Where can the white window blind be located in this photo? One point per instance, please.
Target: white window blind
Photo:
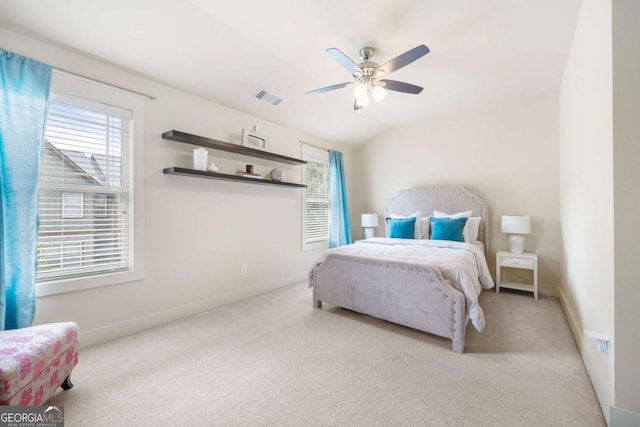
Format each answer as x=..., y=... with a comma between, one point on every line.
x=316, y=198
x=85, y=190
x=72, y=205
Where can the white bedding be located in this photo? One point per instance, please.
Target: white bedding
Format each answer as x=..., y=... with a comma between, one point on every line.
x=478, y=244
x=463, y=264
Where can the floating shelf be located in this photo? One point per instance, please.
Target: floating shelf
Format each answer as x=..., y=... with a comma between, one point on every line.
x=176, y=135
x=175, y=170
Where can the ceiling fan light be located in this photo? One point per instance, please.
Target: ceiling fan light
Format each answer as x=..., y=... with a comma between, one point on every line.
x=378, y=93
x=360, y=91
x=362, y=101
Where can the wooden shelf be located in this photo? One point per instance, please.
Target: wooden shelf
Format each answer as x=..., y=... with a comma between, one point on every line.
x=517, y=286
x=175, y=170
x=176, y=135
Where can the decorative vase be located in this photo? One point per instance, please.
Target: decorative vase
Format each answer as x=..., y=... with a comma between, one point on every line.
x=212, y=167
x=276, y=174
x=200, y=159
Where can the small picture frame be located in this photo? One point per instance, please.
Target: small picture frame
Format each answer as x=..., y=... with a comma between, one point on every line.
x=254, y=139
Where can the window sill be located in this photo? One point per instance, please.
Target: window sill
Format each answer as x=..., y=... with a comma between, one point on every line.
x=81, y=283
x=315, y=245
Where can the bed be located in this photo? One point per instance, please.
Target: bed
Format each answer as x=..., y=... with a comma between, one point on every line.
x=429, y=285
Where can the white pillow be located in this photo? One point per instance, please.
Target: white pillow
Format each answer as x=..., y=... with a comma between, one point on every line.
x=465, y=214
x=474, y=227
x=425, y=227
x=417, y=233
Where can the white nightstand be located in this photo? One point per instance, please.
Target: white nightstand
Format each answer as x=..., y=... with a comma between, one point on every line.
x=526, y=261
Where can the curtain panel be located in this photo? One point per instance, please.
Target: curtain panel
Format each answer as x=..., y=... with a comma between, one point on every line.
x=339, y=230
x=24, y=95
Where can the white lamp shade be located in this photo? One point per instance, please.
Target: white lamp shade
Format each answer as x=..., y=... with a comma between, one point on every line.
x=360, y=91
x=378, y=93
x=369, y=220
x=363, y=101
x=516, y=224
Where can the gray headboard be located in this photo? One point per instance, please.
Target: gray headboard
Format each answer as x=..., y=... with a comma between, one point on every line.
x=445, y=199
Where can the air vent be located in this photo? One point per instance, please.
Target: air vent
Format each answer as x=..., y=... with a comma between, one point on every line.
x=269, y=98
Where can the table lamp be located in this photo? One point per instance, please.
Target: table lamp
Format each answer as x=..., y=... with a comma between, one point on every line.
x=369, y=222
x=516, y=226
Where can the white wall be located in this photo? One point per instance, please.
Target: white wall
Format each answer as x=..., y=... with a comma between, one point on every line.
x=626, y=176
x=507, y=154
x=197, y=231
x=599, y=157
x=586, y=192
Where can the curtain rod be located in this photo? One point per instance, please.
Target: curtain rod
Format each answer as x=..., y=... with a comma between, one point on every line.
x=315, y=146
x=104, y=83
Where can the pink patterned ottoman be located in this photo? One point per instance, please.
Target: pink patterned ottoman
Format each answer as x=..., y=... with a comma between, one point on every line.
x=35, y=361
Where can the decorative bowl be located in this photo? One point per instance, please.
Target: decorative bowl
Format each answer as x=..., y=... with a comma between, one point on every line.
x=276, y=174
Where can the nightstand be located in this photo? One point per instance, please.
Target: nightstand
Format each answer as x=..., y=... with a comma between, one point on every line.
x=526, y=261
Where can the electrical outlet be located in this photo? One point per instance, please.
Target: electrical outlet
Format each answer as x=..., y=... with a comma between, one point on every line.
x=244, y=268
x=602, y=341
x=603, y=346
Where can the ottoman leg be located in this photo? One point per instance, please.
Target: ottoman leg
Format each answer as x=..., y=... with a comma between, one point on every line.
x=67, y=384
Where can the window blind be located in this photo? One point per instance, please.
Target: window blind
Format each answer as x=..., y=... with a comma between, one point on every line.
x=85, y=190
x=316, y=225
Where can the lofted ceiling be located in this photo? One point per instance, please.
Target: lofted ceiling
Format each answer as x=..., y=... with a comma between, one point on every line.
x=483, y=52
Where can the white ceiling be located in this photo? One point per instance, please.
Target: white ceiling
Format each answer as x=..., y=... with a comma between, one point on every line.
x=482, y=51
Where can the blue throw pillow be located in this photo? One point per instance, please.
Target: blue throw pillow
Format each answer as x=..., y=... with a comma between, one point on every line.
x=447, y=228
x=401, y=228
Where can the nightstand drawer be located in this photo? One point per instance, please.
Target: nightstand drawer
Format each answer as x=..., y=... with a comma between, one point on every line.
x=517, y=262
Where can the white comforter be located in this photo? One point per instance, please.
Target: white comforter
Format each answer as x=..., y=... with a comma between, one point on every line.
x=463, y=264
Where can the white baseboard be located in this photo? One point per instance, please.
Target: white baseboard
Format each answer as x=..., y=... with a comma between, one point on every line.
x=623, y=418
x=588, y=354
x=139, y=324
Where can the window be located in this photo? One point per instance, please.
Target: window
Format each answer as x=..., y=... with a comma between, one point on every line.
x=88, y=180
x=72, y=205
x=100, y=207
x=57, y=255
x=315, y=210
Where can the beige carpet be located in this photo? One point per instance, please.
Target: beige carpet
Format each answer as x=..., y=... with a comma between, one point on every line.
x=273, y=360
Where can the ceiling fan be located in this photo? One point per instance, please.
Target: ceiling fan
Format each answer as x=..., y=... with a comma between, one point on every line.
x=368, y=76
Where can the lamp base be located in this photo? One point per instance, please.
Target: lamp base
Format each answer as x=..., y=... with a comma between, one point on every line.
x=516, y=243
x=369, y=232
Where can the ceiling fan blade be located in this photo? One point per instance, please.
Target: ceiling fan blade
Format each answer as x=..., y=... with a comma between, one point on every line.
x=405, y=59
x=401, y=87
x=328, y=88
x=343, y=60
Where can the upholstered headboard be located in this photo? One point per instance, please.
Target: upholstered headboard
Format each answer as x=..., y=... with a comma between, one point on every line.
x=445, y=199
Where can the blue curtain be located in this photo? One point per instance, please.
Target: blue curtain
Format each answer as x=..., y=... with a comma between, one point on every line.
x=339, y=230
x=24, y=94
